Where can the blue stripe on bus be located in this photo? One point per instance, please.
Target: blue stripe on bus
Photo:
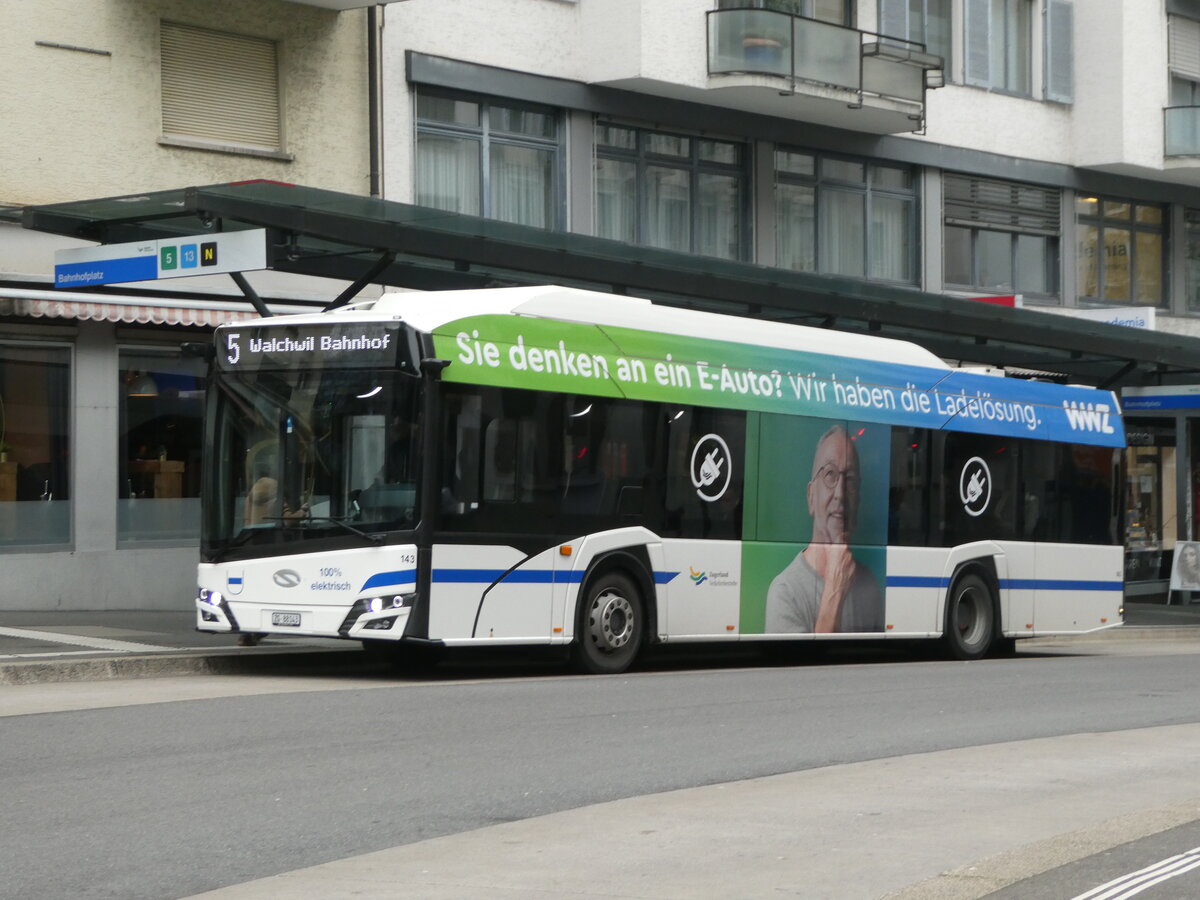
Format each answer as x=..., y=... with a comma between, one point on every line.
x=490, y=576
x=516, y=576
x=1059, y=584
x=388, y=579
x=1011, y=584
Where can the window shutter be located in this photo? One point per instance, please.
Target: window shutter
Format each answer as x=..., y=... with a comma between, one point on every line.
x=1060, y=51
x=1183, y=54
x=978, y=40
x=220, y=87
x=1000, y=205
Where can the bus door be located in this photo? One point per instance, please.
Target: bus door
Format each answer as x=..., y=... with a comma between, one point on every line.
x=494, y=575
x=1079, y=558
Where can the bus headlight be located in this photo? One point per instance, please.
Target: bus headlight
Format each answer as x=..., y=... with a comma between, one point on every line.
x=374, y=605
x=213, y=598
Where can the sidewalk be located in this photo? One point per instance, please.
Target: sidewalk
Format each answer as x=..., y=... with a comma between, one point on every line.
x=80, y=646
x=77, y=646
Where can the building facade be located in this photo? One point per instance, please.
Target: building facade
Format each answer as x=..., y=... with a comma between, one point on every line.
x=99, y=411
x=1041, y=149
x=1044, y=149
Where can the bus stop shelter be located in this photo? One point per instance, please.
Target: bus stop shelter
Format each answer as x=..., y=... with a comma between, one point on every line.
x=368, y=240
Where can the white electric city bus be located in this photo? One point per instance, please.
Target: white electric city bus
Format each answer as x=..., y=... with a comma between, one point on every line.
x=550, y=466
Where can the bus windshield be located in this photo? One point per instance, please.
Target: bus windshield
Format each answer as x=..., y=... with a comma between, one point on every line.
x=310, y=453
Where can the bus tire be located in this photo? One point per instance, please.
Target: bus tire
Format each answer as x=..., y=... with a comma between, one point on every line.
x=970, y=618
x=611, y=625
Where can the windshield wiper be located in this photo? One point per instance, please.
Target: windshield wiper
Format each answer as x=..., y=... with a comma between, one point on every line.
x=340, y=522
x=238, y=539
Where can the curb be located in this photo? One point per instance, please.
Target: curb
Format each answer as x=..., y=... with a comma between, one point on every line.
x=1120, y=633
x=318, y=660
x=111, y=668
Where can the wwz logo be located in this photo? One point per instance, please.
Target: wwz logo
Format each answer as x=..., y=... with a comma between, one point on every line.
x=711, y=467
x=1088, y=416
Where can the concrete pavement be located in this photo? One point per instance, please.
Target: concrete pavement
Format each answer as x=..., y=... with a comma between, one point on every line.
x=41, y=646
x=949, y=825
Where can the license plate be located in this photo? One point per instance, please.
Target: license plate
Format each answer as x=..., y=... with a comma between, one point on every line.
x=290, y=619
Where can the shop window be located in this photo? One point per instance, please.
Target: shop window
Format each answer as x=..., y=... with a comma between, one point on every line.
x=671, y=191
x=497, y=160
x=1122, y=252
x=160, y=441
x=1151, y=516
x=35, y=471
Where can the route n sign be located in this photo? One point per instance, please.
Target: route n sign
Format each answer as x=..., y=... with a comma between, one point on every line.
x=182, y=257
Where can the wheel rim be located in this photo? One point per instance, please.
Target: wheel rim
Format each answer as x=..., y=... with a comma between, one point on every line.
x=611, y=623
x=970, y=617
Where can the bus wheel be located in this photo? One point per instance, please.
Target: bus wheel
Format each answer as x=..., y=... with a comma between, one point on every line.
x=970, y=618
x=610, y=629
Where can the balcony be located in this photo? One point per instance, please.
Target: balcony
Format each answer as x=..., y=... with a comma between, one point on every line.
x=789, y=65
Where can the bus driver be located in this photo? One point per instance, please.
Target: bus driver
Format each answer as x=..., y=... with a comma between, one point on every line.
x=825, y=589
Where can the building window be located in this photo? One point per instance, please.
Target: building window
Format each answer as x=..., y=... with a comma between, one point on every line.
x=845, y=217
x=1001, y=236
x=497, y=160
x=671, y=191
x=1122, y=257
x=220, y=90
x=161, y=435
x=1191, y=219
x=920, y=21
x=999, y=35
x=1151, y=513
x=35, y=471
x=838, y=12
x=1183, y=118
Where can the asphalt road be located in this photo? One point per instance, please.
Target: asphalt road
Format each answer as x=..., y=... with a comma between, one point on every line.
x=169, y=799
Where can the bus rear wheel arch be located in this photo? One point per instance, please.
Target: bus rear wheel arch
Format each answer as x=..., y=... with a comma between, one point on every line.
x=970, y=626
x=612, y=624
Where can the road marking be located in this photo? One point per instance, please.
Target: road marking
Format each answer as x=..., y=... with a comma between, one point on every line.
x=54, y=637
x=1144, y=879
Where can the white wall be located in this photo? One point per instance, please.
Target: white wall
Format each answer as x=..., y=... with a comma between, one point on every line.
x=81, y=125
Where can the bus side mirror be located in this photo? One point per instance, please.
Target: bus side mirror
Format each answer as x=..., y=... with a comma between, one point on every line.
x=202, y=349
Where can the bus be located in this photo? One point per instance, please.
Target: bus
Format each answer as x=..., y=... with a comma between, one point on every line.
x=550, y=466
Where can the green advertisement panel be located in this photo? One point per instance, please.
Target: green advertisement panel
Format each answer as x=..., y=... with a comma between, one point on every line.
x=814, y=557
x=609, y=361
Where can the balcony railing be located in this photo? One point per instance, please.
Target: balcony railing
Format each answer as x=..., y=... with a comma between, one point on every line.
x=803, y=50
x=1181, y=131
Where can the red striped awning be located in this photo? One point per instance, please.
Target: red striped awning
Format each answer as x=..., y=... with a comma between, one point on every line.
x=128, y=312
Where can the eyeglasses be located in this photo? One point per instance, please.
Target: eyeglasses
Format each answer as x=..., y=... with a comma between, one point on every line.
x=830, y=476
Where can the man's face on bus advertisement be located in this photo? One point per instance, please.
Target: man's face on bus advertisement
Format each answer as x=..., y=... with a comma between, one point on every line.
x=833, y=489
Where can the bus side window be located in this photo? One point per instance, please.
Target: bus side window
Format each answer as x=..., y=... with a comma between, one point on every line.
x=909, y=488
x=1087, y=479
x=992, y=512
x=1040, y=464
x=460, y=475
x=500, y=460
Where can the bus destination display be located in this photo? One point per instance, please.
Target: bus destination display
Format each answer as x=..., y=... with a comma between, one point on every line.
x=353, y=345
